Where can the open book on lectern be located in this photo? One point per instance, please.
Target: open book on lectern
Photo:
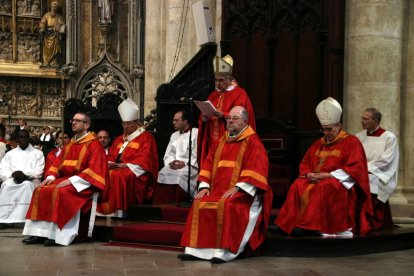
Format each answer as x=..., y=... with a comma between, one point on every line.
x=206, y=107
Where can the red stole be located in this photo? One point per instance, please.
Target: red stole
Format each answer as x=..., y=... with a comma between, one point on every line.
x=215, y=222
x=340, y=208
x=125, y=189
x=84, y=158
x=211, y=131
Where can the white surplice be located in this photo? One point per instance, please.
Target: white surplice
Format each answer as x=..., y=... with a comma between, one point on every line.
x=178, y=149
x=382, y=155
x=15, y=198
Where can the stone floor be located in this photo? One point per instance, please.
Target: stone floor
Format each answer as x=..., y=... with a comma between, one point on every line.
x=98, y=259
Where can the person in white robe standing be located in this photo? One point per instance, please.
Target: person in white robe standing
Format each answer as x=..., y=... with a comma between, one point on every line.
x=20, y=170
x=176, y=158
x=381, y=149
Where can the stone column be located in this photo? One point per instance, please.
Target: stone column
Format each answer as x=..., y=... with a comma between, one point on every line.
x=154, y=51
x=374, y=54
x=406, y=211
x=164, y=20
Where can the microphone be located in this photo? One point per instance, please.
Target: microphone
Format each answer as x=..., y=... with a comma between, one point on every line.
x=197, y=93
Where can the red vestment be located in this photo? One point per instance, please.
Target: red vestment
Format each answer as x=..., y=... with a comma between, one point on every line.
x=211, y=131
x=327, y=206
x=125, y=189
x=84, y=158
x=50, y=158
x=215, y=222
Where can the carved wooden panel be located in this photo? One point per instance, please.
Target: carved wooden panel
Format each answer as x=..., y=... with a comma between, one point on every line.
x=288, y=54
x=20, y=42
x=30, y=97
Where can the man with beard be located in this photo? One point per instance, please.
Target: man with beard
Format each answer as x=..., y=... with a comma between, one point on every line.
x=69, y=191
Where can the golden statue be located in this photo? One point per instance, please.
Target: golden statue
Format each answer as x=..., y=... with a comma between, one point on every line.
x=52, y=27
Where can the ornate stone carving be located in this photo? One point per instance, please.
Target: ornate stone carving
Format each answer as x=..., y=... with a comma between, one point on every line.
x=248, y=16
x=138, y=72
x=102, y=81
x=70, y=69
x=30, y=97
x=52, y=27
x=106, y=8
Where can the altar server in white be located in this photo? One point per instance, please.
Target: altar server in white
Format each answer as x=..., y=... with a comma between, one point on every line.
x=176, y=158
x=20, y=170
x=381, y=149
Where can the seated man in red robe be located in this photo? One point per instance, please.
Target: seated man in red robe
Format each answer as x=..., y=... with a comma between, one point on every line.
x=70, y=189
x=231, y=209
x=331, y=196
x=227, y=95
x=62, y=139
x=134, y=165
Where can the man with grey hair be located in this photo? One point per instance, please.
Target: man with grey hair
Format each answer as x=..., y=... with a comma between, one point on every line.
x=232, y=206
x=331, y=197
x=133, y=165
x=381, y=149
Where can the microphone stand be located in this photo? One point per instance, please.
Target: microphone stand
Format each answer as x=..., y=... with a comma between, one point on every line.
x=189, y=164
x=187, y=204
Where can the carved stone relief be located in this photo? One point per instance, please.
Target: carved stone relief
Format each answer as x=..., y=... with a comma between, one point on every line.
x=101, y=81
x=29, y=97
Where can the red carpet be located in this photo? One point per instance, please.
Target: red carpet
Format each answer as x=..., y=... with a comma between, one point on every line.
x=175, y=214
x=150, y=233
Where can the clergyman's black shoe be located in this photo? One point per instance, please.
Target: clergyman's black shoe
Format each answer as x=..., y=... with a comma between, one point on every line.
x=49, y=242
x=275, y=229
x=298, y=232
x=187, y=257
x=34, y=240
x=217, y=260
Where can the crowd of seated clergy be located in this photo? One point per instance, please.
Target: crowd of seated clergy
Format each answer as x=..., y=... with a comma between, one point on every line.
x=343, y=187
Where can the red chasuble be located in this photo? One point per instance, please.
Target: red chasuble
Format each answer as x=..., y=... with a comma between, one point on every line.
x=211, y=131
x=125, y=189
x=84, y=158
x=50, y=158
x=327, y=206
x=215, y=222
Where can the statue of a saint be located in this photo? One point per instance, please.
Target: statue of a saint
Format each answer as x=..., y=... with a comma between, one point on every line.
x=105, y=11
x=52, y=27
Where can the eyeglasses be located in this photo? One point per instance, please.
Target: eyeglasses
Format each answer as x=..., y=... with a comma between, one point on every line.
x=66, y=137
x=234, y=118
x=77, y=121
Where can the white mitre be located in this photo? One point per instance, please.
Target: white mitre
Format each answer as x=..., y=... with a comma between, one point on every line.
x=128, y=110
x=223, y=66
x=329, y=112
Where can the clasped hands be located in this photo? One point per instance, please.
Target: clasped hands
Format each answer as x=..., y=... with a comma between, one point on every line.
x=229, y=193
x=113, y=165
x=177, y=164
x=19, y=177
x=316, y=177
